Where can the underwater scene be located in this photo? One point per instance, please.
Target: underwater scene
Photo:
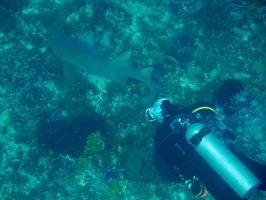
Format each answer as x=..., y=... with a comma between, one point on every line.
x=76, y=78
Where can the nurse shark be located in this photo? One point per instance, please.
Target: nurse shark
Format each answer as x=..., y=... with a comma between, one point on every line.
x=77, y=57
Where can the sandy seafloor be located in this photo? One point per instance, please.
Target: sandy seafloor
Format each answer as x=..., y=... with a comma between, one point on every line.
x=193, y=47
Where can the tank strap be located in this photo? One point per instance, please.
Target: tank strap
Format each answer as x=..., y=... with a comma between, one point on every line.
x=196, y=139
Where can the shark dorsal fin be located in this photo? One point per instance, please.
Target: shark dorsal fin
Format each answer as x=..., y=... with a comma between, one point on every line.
x=124, y=59
x=146, y=72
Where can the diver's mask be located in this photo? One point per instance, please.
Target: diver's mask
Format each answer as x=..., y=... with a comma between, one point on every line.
x=155, y=112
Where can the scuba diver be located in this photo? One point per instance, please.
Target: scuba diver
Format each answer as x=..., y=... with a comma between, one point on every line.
x=194, y=147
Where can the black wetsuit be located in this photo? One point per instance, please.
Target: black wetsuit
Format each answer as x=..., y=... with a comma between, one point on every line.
x=177, y=161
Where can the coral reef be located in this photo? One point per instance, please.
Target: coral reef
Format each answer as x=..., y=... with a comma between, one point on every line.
x=49, y=125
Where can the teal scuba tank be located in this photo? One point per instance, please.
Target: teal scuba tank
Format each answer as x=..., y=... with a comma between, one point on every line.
x=222, y=160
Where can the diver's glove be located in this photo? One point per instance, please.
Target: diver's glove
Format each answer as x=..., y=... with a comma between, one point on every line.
x=196, y=188
x=159, y=111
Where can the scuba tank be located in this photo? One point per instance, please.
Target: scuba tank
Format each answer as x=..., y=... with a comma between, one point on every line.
x=222, y=160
